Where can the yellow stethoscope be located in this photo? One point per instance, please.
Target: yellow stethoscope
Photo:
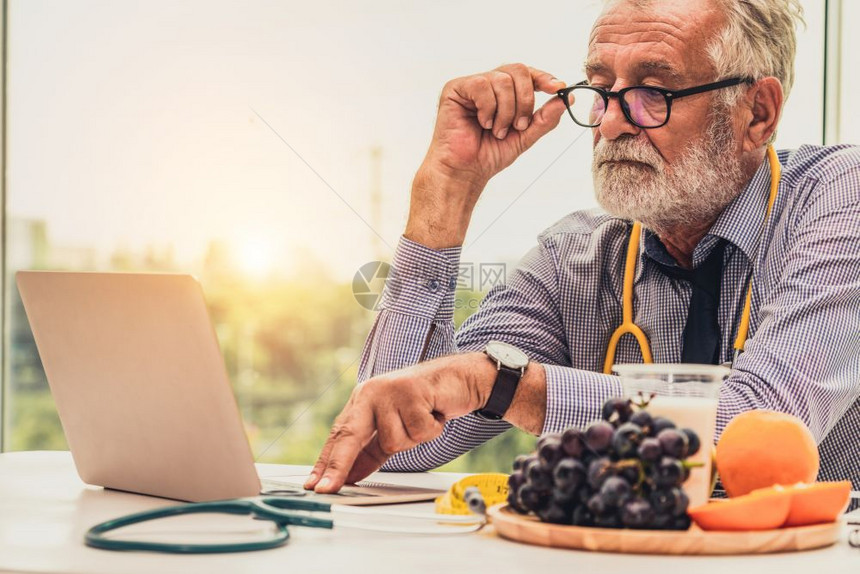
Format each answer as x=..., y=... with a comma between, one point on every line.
x=628, y=327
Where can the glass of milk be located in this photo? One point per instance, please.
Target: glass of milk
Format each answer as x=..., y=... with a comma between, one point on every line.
x=687, y=395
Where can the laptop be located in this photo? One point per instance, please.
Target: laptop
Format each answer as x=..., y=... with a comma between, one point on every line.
x=142, y=391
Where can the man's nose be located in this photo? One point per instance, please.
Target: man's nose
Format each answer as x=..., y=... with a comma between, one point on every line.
x=614, y=123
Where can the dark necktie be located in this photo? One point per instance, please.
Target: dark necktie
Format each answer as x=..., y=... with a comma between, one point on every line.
x=702, y=331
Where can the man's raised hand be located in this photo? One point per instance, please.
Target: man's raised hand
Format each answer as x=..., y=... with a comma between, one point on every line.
x=484, y=123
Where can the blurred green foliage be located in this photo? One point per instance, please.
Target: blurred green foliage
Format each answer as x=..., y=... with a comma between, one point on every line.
x=291, y=349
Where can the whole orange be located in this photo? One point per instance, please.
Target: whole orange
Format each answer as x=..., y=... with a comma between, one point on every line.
x=762, y=448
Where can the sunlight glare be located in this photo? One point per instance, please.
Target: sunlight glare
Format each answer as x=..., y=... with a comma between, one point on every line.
x=255, y=257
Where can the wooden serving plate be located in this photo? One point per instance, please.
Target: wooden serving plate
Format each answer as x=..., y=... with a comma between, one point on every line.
x=529, y=529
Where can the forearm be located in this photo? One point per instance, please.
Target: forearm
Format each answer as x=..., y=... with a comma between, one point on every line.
x=440, y=208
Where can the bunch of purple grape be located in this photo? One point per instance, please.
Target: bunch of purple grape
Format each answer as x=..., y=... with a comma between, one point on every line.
x=624, y=471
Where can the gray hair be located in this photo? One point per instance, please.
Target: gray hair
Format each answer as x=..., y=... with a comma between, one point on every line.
x=758, y=40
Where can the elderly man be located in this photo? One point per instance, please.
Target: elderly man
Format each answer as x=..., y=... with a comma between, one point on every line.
x=683, y=98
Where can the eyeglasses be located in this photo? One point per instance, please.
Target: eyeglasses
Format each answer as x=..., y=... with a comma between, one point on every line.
x=643, y=106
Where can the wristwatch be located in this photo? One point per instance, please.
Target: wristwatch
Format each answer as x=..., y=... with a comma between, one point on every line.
x=511, y=364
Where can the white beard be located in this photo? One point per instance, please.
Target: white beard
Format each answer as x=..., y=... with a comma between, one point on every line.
x=690, y=193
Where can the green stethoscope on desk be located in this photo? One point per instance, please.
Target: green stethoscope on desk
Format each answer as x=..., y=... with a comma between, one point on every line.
x=283, y=512
x=269, y=508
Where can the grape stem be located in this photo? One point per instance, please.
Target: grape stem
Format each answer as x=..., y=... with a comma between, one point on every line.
x=630, y=463
x=643, y=403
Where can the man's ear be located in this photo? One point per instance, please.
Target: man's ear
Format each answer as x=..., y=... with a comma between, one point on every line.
x=765, y=103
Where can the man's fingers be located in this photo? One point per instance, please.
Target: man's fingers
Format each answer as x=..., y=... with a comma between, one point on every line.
x=391, y=433
x=317, y=471
x=344, y=450
x=545, y=82
x=322, y=460
x=503, y=98
x=363, y=439
x=413, y=426
x=543, y=122
x=525, y=81
x=420, y=424
x=476, y=92
x=353, y=429
x=524, y=88
x=369, y=460
x=506, y=103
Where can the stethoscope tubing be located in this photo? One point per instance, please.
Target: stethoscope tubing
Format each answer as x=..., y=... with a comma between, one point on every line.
x=264, y=508
x=629, y=327
x=268, y=508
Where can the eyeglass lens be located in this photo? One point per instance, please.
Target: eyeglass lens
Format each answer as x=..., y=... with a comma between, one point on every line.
x=643, y=106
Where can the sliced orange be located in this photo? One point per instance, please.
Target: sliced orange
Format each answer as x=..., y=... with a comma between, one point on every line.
x=818, y=502
x=764, y=509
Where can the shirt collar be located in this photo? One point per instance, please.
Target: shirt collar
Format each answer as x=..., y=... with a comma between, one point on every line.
x=739, y=224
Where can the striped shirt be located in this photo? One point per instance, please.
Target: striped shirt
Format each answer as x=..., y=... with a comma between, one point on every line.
x=562, y=302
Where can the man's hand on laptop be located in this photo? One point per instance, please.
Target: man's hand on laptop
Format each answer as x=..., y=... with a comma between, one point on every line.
x=396, y=411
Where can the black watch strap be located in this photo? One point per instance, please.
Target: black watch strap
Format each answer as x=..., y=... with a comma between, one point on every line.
x=502, y=395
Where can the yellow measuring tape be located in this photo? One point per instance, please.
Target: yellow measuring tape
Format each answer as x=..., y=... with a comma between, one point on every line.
x=493, y=487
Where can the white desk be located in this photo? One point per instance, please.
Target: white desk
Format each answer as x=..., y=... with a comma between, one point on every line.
x=45, y=510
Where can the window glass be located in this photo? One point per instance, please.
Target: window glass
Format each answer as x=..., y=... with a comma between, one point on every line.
x=268, y=148
x=849, y=119
x=803, y=121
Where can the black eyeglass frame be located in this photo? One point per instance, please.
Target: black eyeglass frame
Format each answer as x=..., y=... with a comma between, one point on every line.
x=668, y=95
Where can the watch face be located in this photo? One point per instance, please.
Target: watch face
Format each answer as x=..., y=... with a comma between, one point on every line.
x=506, y=354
